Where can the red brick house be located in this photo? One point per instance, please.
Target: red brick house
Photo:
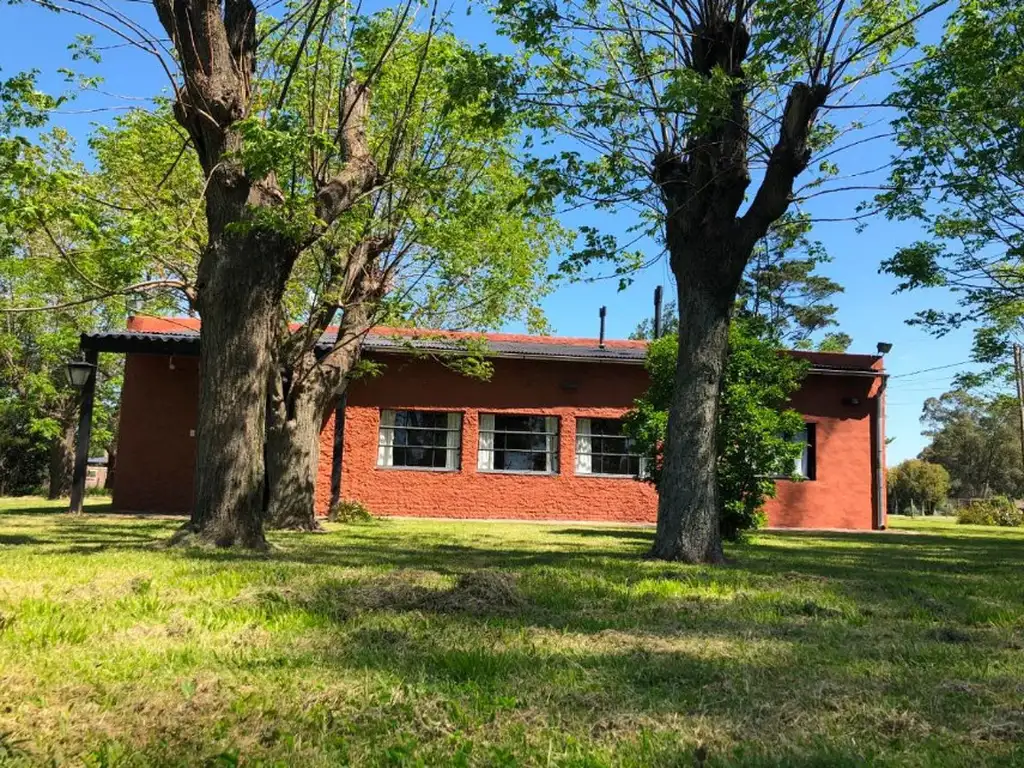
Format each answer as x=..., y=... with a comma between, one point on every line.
x=541, y=440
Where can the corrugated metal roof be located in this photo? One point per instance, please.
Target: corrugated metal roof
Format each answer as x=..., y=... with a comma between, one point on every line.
x=187, y=342
x=120, y=340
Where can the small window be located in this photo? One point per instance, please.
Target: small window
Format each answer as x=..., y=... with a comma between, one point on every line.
x=420, y=439
x=603, y=448
x=518, y=443
x=806, y=461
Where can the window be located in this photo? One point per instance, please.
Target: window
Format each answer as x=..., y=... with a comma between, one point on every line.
x=603, y=448
x=805, y=462
x=518, y=443
x=420, y=439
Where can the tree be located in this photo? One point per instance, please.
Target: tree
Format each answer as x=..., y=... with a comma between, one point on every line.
x=42, y=221
x=782, y=287
x=447, y=242
x=449, y=239
x=917, y=484
x=279, y=115
x=960, y=172
x=677, y=105
x=977, y=440
x=754, y=435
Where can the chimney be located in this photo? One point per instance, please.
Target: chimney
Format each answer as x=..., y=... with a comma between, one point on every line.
x=601, y=314
x=657, y=312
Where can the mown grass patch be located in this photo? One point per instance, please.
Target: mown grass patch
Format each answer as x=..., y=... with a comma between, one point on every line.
x=445, y=643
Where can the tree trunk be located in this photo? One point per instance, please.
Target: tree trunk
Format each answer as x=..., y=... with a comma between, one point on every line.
x=108, y=482
x=688, y=504
x=238, y=299
x=293, y=457
x=62, y=462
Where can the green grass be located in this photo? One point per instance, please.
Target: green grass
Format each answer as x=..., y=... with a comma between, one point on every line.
x=364, y=646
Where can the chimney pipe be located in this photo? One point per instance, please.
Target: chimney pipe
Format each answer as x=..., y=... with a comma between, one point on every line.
x=602, y=313
x=657, y=312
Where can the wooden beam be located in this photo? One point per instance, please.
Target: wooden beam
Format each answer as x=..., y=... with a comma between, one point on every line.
x=339, y=448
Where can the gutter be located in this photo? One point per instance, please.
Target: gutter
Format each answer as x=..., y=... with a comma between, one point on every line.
x=878, y=457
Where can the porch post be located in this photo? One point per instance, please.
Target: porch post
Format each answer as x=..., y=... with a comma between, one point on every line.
x=339, y=447
x=84, y=435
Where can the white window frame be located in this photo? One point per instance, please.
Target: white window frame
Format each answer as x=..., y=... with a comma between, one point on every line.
x=585, y=454
x=386, y=440
x=486, y=449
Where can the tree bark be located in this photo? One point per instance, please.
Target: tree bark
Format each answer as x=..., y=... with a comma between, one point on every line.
x=62, y=461
x=688, y=502
x=239, y=292
x=300, y=399
x=293, y=456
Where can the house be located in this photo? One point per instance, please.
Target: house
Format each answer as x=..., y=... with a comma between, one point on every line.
x=540, y=440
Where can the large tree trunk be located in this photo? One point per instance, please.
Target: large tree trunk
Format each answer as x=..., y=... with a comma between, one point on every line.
x=293, y=457
x=239, y=294
x=688, y=504
x=62, y=462
x=301, y=398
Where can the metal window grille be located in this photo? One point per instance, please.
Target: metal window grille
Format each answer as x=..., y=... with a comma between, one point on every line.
x=420, y=439
x=514, y=443
x=602, y=448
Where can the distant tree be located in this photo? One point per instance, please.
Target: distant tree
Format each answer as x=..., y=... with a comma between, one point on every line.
x=755, y=430
x=917, y=484
x=960, y=172
x=782, y=289
x=977, y=440
x=781, y=286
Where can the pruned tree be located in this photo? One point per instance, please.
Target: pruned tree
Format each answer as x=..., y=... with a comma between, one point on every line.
x=322, y=205
x=678, y=107
x=447, y=241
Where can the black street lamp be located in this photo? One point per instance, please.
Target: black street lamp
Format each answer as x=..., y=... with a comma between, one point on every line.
x=79, y=373
x=82, y=375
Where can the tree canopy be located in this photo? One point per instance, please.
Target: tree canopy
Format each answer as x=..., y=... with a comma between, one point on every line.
x=960, y=172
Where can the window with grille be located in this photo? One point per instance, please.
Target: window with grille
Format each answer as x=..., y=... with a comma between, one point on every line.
x=518, y=443
x=420, y=439
x=603, y=448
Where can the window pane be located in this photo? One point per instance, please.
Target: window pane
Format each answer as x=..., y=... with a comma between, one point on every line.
x=603, y=448
x=423, y=419
x=520, y=461
x=518, y=443
x=419, y=439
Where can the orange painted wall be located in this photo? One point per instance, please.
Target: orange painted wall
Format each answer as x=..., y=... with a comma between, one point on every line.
x=156, y=452
x=842, y=494
x=566, y=390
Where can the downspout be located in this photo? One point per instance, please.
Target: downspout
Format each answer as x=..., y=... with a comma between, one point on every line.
x=878, y=459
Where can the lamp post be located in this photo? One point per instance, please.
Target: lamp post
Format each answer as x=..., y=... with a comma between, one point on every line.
x=82, y=375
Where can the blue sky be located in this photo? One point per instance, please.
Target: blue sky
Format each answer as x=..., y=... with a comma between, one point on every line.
x=868, y=310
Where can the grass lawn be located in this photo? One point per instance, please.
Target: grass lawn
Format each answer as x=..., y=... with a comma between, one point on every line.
x=395, y=643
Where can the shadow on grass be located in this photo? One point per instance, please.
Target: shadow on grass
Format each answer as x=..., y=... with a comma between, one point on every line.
x=640, y=534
